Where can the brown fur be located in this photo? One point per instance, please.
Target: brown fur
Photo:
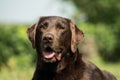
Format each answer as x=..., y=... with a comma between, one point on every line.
x=59, y=36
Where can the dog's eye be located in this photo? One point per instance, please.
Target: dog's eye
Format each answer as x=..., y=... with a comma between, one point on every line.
x=59, y=26
x=44, y=25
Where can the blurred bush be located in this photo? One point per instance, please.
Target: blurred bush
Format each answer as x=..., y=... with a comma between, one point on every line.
x=103, y=11
x=13, y=42
x=106, y=42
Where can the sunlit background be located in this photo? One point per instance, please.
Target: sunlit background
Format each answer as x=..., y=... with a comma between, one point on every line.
x=98, y=19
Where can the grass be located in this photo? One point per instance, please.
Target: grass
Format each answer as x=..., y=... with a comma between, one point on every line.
x=20, y=68
x=16, y=74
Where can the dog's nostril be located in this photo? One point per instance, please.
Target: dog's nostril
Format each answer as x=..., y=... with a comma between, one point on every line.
x=48, y=38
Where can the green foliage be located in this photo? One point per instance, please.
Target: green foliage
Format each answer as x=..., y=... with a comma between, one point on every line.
x=105, y=40
x=13, y=41
x=105, y=11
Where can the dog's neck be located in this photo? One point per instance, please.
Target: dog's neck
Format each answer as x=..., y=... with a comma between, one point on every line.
x=49, y=70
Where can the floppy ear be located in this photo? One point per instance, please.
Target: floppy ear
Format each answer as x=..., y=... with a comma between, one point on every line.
x=31, y=32
x=77, y=36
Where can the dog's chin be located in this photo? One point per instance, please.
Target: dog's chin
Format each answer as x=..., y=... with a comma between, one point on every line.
x=51, y=56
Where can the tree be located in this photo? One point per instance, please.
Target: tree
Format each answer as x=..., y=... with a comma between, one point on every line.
x=106, y=11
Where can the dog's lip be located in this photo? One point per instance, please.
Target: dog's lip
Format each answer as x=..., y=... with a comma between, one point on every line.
x=52, y=56
x=50, y=53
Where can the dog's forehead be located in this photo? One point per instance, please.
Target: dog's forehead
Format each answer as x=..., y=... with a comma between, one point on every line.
x=53, y=19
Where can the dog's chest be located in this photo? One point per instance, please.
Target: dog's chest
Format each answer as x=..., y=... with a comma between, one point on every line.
x=69, y=75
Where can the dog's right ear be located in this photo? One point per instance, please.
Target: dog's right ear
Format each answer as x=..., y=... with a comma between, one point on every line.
x=31, y=32
x=77, y=36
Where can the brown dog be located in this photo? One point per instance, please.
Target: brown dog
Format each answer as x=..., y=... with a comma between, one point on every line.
x=55, y=40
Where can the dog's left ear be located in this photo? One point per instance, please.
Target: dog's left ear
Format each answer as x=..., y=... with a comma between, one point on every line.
x=31, y=32
x=77, y=36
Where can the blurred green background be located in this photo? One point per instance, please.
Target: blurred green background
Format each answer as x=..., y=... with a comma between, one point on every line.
x=98, y=19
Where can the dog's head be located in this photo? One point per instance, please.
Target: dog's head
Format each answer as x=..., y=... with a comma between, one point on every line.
x=53, y=37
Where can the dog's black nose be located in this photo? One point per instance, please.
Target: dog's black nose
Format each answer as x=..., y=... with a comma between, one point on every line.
x=48, y=38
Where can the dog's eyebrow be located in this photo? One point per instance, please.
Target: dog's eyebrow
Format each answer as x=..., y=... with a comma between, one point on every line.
x=44, y=23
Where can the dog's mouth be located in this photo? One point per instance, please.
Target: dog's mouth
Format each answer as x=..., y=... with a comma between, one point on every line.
x=51, y=54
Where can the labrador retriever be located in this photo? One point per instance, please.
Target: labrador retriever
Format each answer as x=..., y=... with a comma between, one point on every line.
x=55, y=40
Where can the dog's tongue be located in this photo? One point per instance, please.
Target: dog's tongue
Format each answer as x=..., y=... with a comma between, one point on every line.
x=48, y=55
